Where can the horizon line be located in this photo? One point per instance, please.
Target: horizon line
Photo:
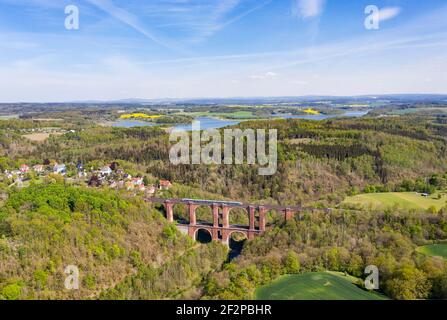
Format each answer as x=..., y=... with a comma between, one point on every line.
x=143, y=100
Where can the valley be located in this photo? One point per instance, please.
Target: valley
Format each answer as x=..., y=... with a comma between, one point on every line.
x=367, y=190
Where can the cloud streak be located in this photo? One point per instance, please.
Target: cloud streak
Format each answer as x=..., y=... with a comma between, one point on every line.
x=129, y=19
x=306, y=9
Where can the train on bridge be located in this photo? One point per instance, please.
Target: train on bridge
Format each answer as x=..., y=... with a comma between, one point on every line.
x=210, y=202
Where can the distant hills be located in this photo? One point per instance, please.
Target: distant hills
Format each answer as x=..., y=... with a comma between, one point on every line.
x=286, y=99
x=390, y=98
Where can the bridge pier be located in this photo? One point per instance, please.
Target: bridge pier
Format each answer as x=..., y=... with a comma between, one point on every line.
x=288, y=214
x=251, y=217
x=215, y=208
x=169, y=207
x=225, y=237
x=262, y=212
x=226, y=216
x=192, y=213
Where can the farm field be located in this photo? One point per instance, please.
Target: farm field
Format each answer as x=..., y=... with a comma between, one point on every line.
x=419, y=110
x=436, y=250
x=315, y=286
x=404, y=200
x=40, y=137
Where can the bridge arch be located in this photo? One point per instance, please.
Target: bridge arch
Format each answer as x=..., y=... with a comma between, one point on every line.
x=236, y=238
x=203, y=235
x=239, y=216
x=204, y=214
x=180, y=212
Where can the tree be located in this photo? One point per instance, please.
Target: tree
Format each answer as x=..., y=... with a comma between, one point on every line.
x=440, y=287
x=408, y=283
x=292, y=264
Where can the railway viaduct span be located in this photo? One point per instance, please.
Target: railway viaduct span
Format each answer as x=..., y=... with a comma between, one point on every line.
x=221, y=229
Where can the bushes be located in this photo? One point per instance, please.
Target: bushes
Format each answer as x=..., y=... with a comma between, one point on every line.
x=408, y=283
x=11, y=292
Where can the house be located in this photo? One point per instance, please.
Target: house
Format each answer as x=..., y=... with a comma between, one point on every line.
x=38, y=168
x=24, y=168
x=151, y=190
x=137, y=181
x=105, y=171
x=165, y=184
x=113, y=184
x=60, y=168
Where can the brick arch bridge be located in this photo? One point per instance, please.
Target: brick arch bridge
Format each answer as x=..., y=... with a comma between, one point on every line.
x=221, y=211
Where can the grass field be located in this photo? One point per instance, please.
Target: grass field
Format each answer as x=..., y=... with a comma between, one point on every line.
x=404, y=200
x=223, y=115
x=436, y=250
x=315, y=286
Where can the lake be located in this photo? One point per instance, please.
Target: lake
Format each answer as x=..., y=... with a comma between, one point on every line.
x=206, y=123
x=214, y=123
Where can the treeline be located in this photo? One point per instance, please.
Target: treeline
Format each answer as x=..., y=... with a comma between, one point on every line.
x=427, y=185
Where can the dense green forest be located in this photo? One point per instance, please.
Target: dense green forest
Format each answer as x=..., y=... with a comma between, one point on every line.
x=125, y=249
x=110, y=238
x=318, y=160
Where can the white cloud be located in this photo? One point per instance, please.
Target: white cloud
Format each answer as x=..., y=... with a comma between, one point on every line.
x=389, y=13
x=263, y=76
x=307, y=8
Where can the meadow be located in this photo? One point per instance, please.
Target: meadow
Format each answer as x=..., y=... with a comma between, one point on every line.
x=315, y=286
x=435, y=250
x=403, y=200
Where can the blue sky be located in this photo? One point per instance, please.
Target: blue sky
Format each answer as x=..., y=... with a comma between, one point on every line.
x=219, y=48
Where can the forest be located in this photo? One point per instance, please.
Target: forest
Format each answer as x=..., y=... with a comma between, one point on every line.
x=125, y=248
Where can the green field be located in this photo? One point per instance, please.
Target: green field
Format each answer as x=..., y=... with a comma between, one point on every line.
x=436, y=250
x=404, y=200
x=315, y=286
x=419, y=110
x=242, y=115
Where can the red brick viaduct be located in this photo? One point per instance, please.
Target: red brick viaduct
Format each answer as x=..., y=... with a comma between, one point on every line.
x=220, y=229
